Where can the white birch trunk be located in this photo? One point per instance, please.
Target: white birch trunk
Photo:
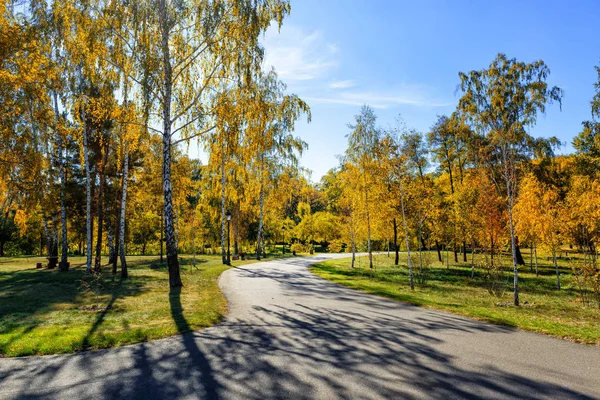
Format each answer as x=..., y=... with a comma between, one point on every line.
x=409, y=261
x=63, y=184
x=513, y=245
x=122, y=255
x=48, y=235
x=54, y=237
x=88, y=199
x=121, y=244
x=353, y=237
x=167, y=89
x=223, y=252
x=368, y=224
x=260, y=221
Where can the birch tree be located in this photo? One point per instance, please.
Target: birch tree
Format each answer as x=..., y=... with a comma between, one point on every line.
x=362, y=142
x=502, y=101
x=200, y=45
x=270, y=117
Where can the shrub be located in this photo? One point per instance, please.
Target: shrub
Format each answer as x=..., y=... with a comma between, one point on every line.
x=421, y=264
x=587, y=277
x=495, y=281
x=300, y=248
x=335, y=246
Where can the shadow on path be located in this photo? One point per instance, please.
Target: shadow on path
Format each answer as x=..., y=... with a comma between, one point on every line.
x=322, y=341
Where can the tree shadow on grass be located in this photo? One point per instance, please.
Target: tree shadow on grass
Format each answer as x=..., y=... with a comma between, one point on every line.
x=321, y=344
x=296, y=351
x=28, y=298
x=454, y=279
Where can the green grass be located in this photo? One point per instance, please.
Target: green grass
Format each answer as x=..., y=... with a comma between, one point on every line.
x=543, y=308
x=47, y=312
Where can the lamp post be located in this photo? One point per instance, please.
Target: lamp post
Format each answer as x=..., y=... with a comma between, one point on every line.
x=283, y=235
x=228, y=216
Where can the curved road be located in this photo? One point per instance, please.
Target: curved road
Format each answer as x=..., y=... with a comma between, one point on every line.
x=290, y=334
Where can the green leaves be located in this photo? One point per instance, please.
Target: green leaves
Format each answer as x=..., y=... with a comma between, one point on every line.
x=506, y=98
x=587, y=143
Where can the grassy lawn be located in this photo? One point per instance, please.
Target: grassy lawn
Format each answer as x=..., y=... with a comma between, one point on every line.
x=543, y=308
x=48, y=312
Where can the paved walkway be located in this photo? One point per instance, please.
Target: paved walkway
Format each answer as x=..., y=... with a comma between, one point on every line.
x=290, y=334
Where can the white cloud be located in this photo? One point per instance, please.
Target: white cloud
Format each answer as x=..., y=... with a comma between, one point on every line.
x=297, y=55
x=341, y=84
x=411, y=95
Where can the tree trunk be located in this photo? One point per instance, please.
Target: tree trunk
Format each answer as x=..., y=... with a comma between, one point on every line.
x=88, y=198
x=169, y=220
x=194, y=237
x=397, y=256
x=464, y=251
x=235, y=237
x=409, y=261
x=556, y=267
x=2, y=249
x=260, y=221
x=455, y=251
x=473, y=262
x=162, y=232
x=172, y=260
x=439, y=252
x=353, y=237
x=64, y=266
x=421, y=257
x=368, y=225
x=531, y=258
x=110, y=242
x=236, y=229
x=491, y=250
x=100, y=212
x=513, y=245
x=535, y=259
x=520, y=259
x=54, y=237
x=124, y=271
x=115, y=258
x=48, y=234
x=450, y=175
x=223, y=251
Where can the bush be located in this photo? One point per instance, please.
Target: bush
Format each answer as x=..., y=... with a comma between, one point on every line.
x=300, y=248
x=335, y=246
x=587, y=277
x=421, y=264
x=495, y=280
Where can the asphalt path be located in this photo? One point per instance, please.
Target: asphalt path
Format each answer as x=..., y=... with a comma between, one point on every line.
x=290, y=334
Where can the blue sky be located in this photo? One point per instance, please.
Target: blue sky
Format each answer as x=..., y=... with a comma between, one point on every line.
x=403, y=57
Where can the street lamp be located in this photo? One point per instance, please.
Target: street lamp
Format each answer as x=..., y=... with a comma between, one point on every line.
x=228, y=216
x=283, y=235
